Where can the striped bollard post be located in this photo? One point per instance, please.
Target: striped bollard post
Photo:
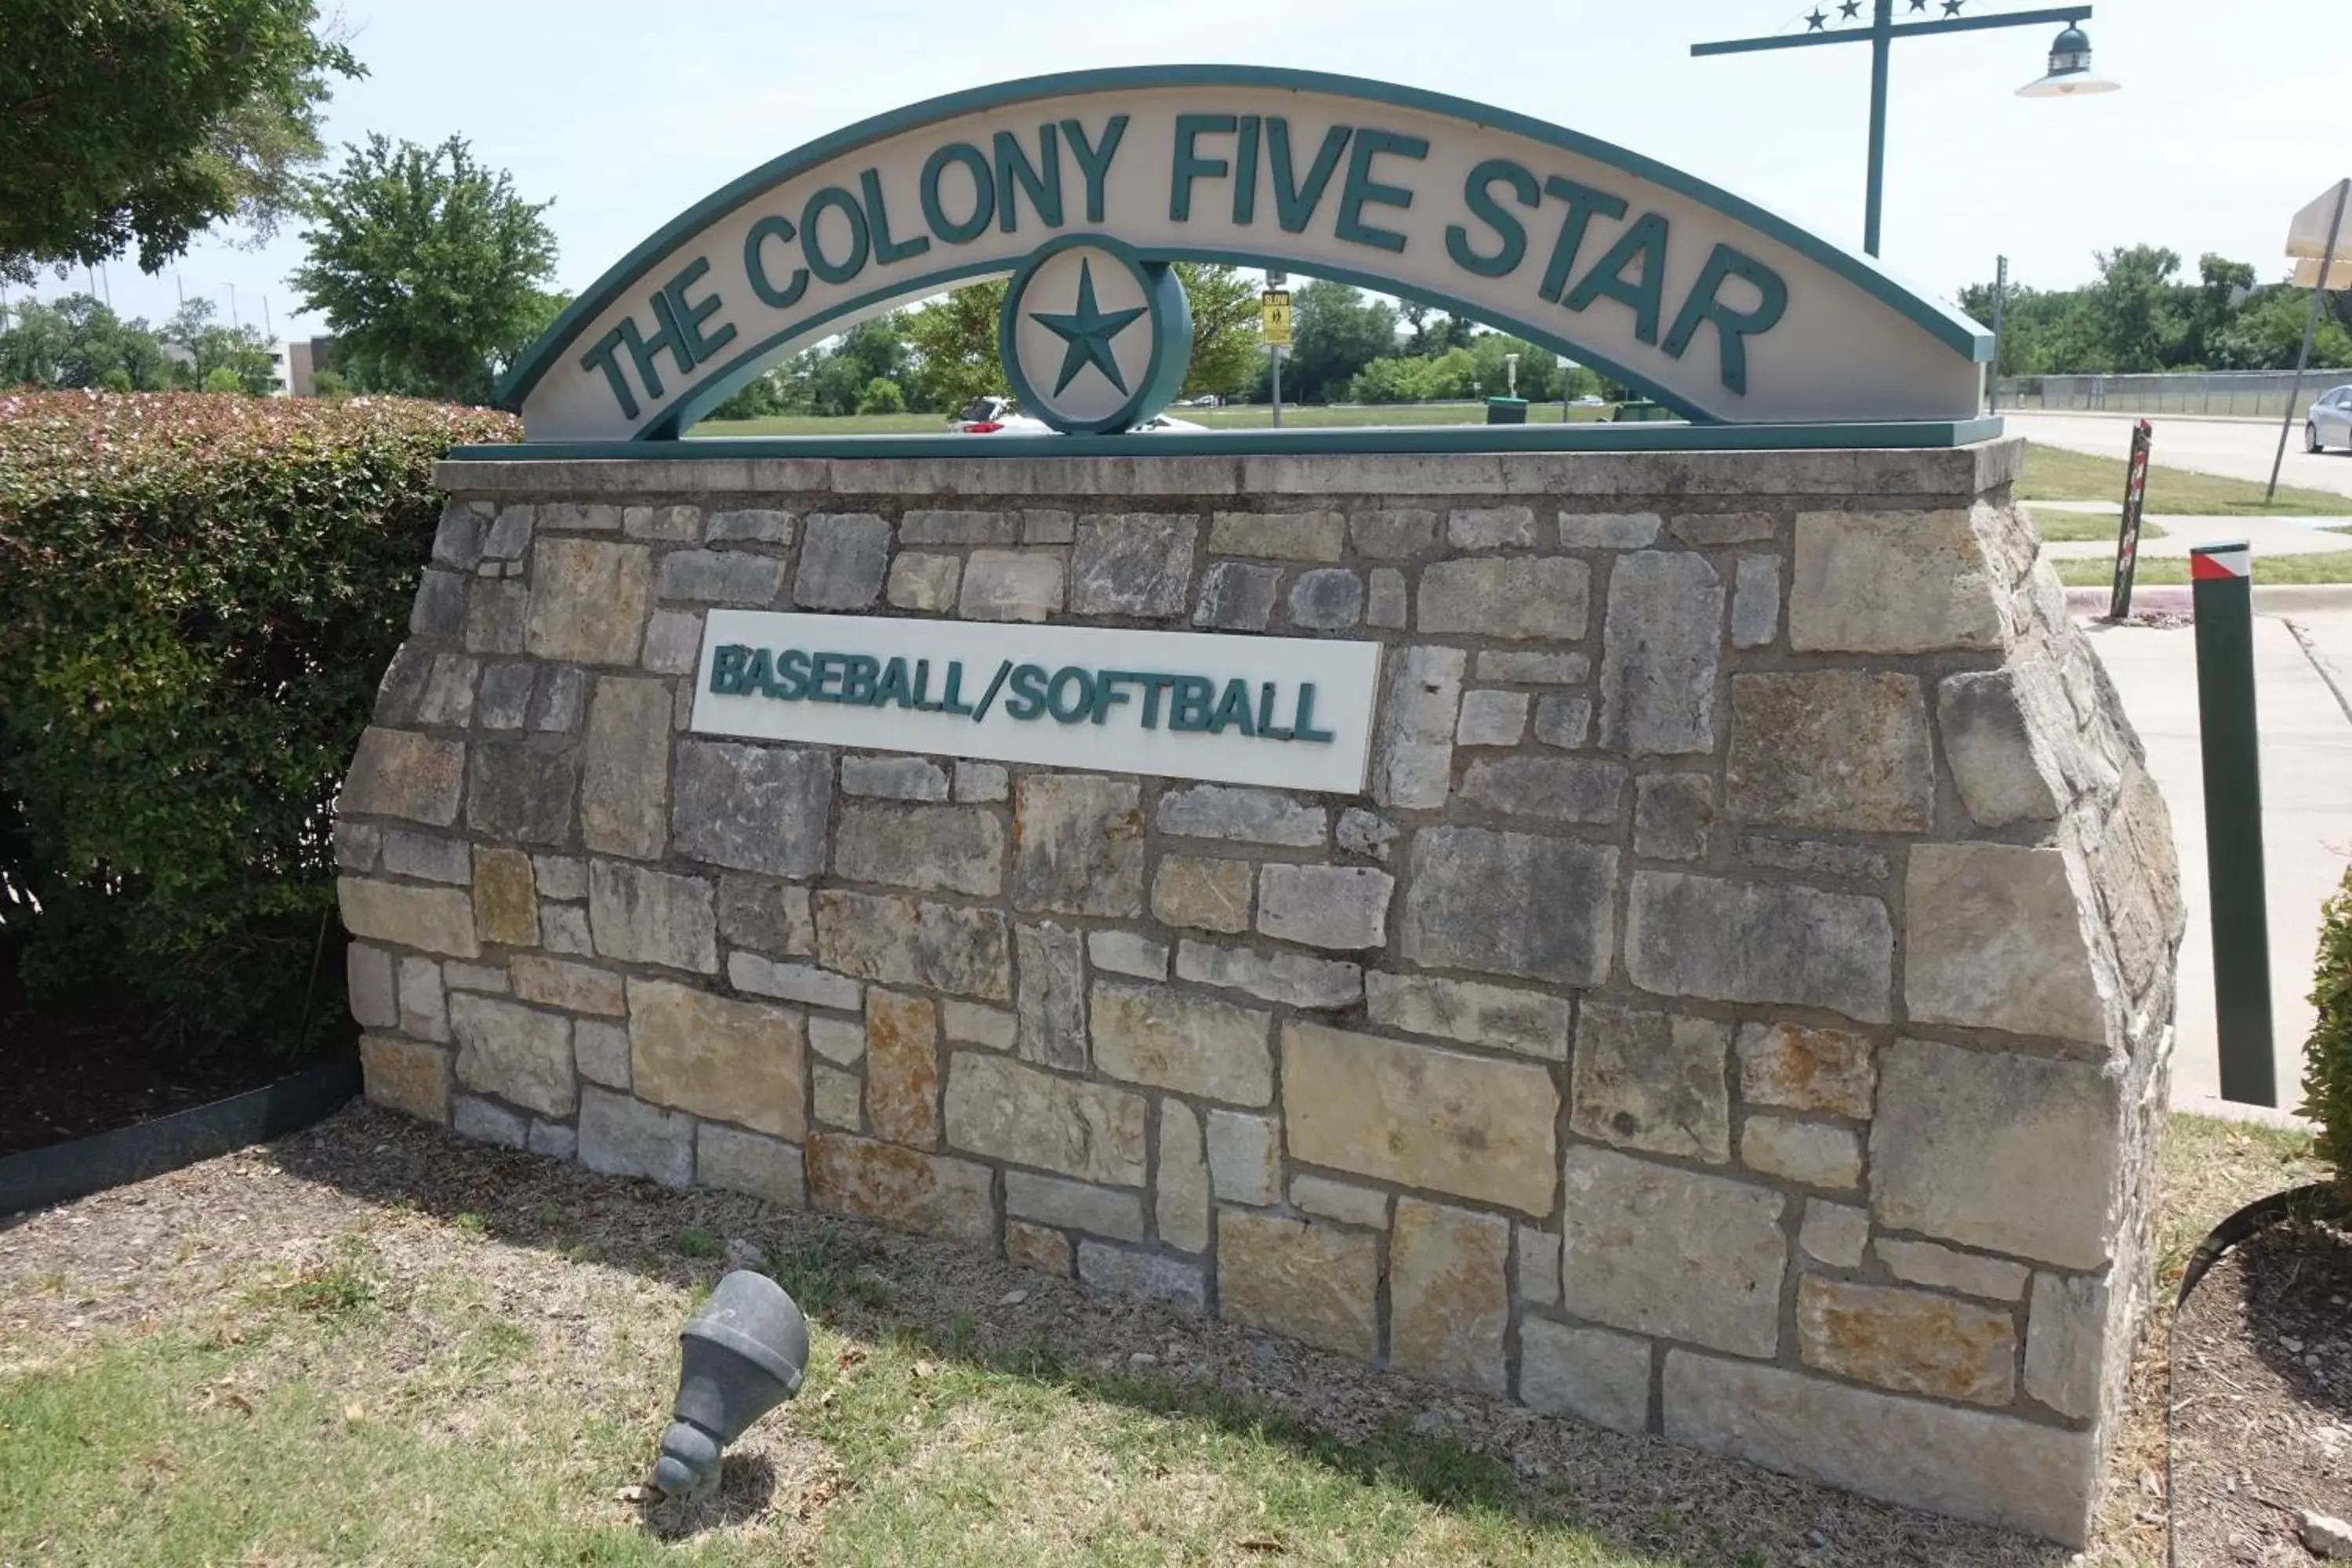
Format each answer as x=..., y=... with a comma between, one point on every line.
x=2222, y=578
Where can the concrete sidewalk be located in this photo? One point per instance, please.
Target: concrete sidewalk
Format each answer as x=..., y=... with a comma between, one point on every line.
x=2302, y=675
x=2265, y=535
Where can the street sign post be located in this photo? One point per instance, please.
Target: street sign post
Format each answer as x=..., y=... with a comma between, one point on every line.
x=2128, y=538
x=1274, y=331
x=2222, y=590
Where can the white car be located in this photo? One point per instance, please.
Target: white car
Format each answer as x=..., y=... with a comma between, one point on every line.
x=2329, y=423
x=995, y=417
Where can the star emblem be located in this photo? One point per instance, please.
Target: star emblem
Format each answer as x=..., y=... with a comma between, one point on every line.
x=1813, y=23
x=1851, y=9
x=1919, y=5
x=1088, y=331
x=1951, y=7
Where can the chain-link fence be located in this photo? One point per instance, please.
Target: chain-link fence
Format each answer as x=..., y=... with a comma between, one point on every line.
x=2252, y=394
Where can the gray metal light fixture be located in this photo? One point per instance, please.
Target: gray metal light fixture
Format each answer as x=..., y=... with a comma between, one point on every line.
x=2069, y=70
x=739, y=1358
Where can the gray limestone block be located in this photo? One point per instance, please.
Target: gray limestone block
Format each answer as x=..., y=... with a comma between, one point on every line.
x=1078, y=845
x=457, y=542
x=369, y=981
x=1673, y=1253
x=924, y=583
x=765, y=914
x=620, y=1136
x=1594, y=1374
x=1074, y=1206
x=673, y=641
x=893, y=777
x=1051, y=1000
x=1661, y=643
x=1608, y=529
x=1180, y=1281
x=561, y=697
x=1012, y=586
x=1287, y=979
x=1756, y=601
x=1673, y=815
x=1653, y=1081
x=440, y=608
x=504, y=700
x=673, y=524
x=555, y=1139
x=357, y=846
x=1414, y=762
x=1753, y=941
x=2001, y=733
x=1344, y=908
x=792, y=982
x=934, y=527
x=932, y=849
x=1328, y=598
x=751, y=808
x=1242, y=815
x=1138, y=564
x=981, y=782
x=494, y=615
x=1564, y=721
x=1491, y=528
x=1998, y=936
x=721, y=577
x=486, y=1122
x=639, y=915
x=759, y=526
x=522, y=790
x=401, y=693
x=737, y=1161
x=1237, y=596
x=1492, y=719
x=1556, y=789
x=844, y=559
x=1366, y=833
x=510, y=534
x=1393, y=533
x=1514, y=596
x=1390, y=605
x=1854, y=861
x=1047, y=526
x=1510, y=903
x=448, y=696
x=427, y=857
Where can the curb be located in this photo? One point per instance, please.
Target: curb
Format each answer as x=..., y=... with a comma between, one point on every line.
x=62, y=1171
x=2232, y=1111
x=2175, y=600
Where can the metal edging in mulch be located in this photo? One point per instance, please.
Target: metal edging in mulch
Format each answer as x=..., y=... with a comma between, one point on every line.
x=2241, y=1227
x=63, y=1172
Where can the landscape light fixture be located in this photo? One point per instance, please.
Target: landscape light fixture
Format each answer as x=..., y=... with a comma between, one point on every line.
x=2070, y=63
x=2069, y=70
x=739, y=1358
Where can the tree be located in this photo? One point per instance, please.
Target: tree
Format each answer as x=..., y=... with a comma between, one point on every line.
x=881, y=396
x=953, y=338
x=1426, y=337
x=77, y=342
x=1336, y=332
x=426, y=266
x=140, y=124
x=1226, y=354
x=207, y=350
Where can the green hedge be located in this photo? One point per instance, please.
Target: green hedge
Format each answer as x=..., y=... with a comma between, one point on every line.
x=198, y=594
x=2327, y=1054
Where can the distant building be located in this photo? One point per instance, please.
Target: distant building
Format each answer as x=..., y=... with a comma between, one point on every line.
x=296, y=363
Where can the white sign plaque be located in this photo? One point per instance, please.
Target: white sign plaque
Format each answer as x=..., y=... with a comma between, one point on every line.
x=1289, y=712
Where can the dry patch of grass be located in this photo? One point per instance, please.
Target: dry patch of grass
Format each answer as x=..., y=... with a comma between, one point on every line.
x=371, y=1344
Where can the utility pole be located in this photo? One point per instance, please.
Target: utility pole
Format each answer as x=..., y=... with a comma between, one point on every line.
x=233, y=320
x=1999, y=301
x=2072, y=76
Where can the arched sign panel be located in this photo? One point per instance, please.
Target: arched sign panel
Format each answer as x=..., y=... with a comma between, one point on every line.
x=1706, y=301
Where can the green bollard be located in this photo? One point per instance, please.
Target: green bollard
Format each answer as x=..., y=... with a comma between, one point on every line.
x=2224, y=592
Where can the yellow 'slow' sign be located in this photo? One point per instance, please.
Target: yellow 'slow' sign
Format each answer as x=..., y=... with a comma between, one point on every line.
x=1274, y=317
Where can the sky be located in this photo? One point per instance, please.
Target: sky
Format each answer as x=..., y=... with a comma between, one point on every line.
x=627, y=114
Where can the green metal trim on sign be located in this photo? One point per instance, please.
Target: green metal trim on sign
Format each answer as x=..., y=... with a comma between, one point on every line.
x=1461, y=439
x=1946, y=325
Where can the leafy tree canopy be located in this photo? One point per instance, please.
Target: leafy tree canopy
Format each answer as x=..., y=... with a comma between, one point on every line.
x=77, y=342
x=139, y=122
x=427, y=267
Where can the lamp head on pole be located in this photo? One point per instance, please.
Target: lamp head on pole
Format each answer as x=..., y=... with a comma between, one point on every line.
x=2069, y=70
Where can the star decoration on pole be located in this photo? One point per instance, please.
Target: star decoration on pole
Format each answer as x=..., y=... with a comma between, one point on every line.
x=1952, y=7
x=1814, y=23
x=1849, y=9
x=1919, y=5
x=1088, y=331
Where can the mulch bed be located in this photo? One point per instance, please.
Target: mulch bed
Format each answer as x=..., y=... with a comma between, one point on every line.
x=70, y=1073
x=2262, y=1397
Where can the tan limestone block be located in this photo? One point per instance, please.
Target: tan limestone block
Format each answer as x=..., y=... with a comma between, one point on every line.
x=588, y=600
x=437, y=920
x=625, y=769
x=1307, y=1281
x=1181, y=1193
x=1421, y=1117
x=1893, y=581
x=1034, y=1247
x=398, y=773
x=519, y=1054
x=1594, y=1374
x=1002, y=1108
x=902, y=1188
x=1812, y=1153
x=405, y=1076
x=1449, y=1294
x=574, y=987
x=1908, y=1340
x=1672, y=1253
x=1203, y=893
x=840, y=1098
x=902, y=1068
x=1971, y=1274
x=1995, y=939
x=1801, y=1068
x=1179, y=1040
x=717, y=1057
x=1653, y=1082
x=506, y=902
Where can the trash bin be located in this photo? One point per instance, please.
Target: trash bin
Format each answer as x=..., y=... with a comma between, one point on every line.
x=1506, y=411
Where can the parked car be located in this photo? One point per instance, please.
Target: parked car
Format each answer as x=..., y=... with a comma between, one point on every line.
x=2329, y=423
x=995, y=415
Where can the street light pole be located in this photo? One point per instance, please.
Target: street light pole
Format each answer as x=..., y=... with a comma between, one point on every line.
x=2073, y=76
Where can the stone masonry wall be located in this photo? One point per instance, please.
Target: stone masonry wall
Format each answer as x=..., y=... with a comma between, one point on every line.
x=1736, y=1010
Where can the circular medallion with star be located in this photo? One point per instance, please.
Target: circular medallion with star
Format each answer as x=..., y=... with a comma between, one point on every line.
x=1095, y=339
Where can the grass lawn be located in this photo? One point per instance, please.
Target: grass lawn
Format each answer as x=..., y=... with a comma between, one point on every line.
x=1243, y=417
x=2052, y=473
x=2066, y=527
x=371, y=1344
x=2170, y=571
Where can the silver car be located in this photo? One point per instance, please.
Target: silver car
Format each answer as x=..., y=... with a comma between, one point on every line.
x=2329, y=423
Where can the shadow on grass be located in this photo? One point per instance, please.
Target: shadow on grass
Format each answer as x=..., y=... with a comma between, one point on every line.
x=747, y=1488
x=1653, y=1503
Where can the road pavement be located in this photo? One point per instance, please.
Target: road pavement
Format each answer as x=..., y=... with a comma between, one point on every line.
x=2235, y=448
x=2302, y=676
